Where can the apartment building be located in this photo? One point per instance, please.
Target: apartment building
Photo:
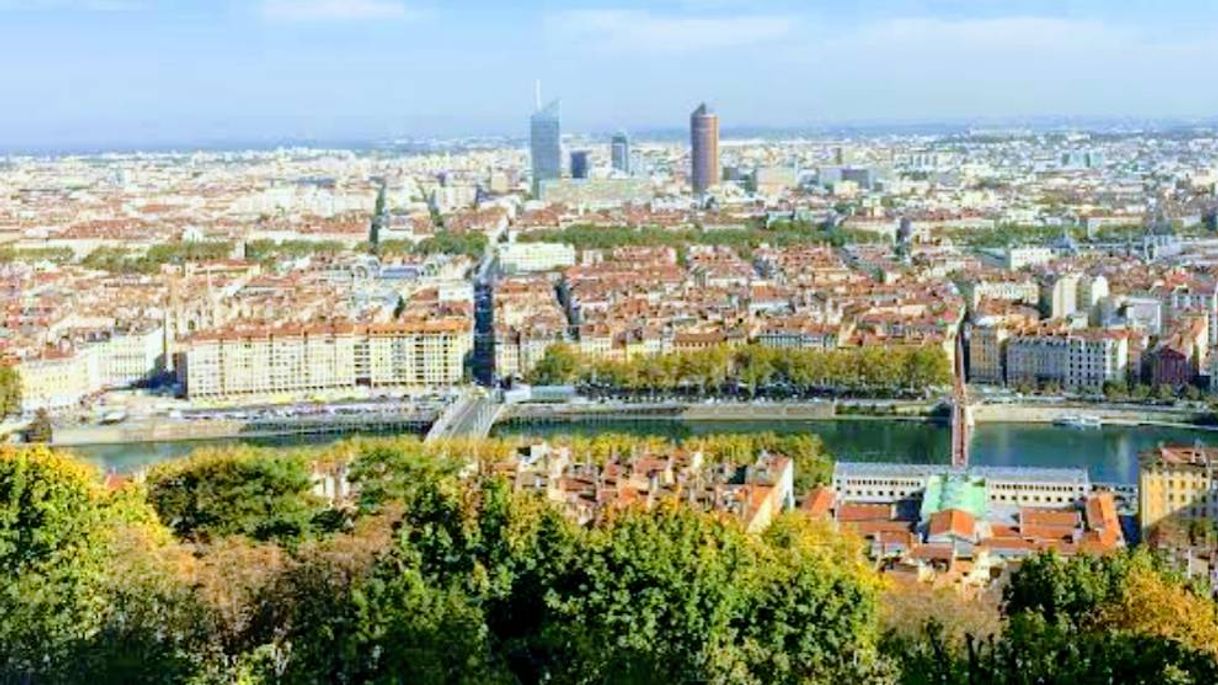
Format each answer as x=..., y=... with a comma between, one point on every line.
x=801, y=333
x=1009, y=289
x=1182, y=353
x=1197, y=296
x=416, y=353
x=533, y=257
x=59, y=379
x=299, y=360
x=987, y=353
x=1059, y=294
x=56, y=380
x=125, y=358
x=1177, y=482
x=1016, y=258
x=1077, y=359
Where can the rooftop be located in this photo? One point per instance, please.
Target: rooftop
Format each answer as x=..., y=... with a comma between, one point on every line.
x=856, y=469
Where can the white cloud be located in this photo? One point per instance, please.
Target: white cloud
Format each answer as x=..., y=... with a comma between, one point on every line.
x=643, y=31
x=333, y=10
x=991, y=34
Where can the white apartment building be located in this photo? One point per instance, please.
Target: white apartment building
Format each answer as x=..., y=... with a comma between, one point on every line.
x=300, y=360
x=518, y=351
x=1077, y=359
x=1024, y=290
x=417, y=354
x=57, y=380
x=1016, y=258
x=124, y=359
x=518, y=258
x=1059, y=295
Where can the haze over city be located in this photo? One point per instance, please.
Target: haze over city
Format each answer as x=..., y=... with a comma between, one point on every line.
x=98, y=73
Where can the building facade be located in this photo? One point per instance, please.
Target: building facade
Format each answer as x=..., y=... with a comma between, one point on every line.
x=1075, y=359
x=1177, y=483
x=307, y=359
x=517, y=258
x=704, y=149
x=987, y=354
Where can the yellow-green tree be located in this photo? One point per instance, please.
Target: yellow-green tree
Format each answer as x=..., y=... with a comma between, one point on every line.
x=10, y=391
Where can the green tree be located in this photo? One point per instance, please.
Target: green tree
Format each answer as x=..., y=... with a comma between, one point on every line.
x=558, y=366
x=52, y=553
x=393, y=471
x=755, y=366
x=675, y=595
x=265, y=495
x=378, y=218
x=10, y=391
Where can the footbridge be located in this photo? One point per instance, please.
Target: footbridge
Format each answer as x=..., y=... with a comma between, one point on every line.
x=470, y=416
x=962, y=418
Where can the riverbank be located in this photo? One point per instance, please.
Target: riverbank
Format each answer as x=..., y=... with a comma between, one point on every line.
x=1122, y=415
x=164, y=430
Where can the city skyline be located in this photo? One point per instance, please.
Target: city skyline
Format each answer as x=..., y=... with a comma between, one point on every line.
x=109, y=72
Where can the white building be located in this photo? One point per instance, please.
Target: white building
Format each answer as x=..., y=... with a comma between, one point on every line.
x=533, y=257
x=1016, y=258
x=1076, y=359
x=301, y=360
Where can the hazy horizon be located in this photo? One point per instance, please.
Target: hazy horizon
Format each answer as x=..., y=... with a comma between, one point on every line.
x=128, y=73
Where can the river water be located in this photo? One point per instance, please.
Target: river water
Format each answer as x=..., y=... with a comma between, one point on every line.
x=1109, y=453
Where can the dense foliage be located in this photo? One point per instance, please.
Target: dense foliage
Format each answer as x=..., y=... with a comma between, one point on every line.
x=1123, y=618
x=121, y=260
x=753, y=369
x=260, y=495
x=744, y=239
x=266, y=251
x=446, y=578
x=469, y=243
x=438, y=579
x=58, y=255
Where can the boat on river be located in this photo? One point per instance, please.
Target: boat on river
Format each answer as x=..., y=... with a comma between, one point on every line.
x=1078, y=421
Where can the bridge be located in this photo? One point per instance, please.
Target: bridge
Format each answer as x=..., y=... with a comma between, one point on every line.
x=471, y=416
x=961, y=420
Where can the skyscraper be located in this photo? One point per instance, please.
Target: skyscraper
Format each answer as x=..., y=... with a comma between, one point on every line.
x=545, y=145
x=704, y=153
x=579, y=164
x=619, y=152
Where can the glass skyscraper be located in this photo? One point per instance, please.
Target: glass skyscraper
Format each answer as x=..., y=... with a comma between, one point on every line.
x=545, y=145
x=619, y=152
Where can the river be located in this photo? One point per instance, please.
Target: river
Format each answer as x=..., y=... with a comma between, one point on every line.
x=1109, y=453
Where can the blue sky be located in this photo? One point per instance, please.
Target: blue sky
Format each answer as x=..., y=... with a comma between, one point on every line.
x=99, y=72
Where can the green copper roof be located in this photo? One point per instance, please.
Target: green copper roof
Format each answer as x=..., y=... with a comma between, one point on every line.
x=954, y=492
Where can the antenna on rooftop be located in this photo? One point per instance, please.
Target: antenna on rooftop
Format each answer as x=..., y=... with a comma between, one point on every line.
x=537, y=94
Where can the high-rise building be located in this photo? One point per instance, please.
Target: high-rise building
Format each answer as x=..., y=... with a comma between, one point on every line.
x=704, y=144
x=579, y=164
x=619, y=149
x=545, y=144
